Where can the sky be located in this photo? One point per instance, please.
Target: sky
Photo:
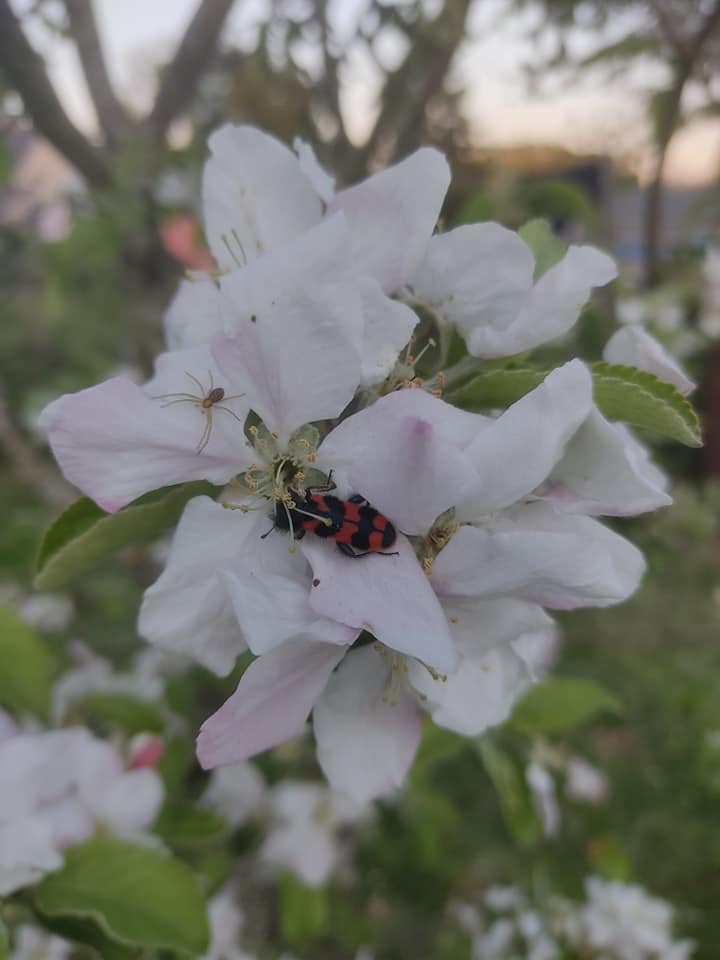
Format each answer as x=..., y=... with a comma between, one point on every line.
x=584, y=117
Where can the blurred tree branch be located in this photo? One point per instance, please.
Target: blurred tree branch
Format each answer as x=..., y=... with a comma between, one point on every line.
x=25, y=72
x=111, y=114
x=191, y=58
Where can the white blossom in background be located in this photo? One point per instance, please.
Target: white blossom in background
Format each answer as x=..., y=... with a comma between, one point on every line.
x=585, y=783
x=226, y=920
x=237, y=792
x=304, y=833
x=59, y=788
x=53, y=612
x=307, y=322
x=622, y=921
x=144, y=679
x=31, y=943
x=617, y=921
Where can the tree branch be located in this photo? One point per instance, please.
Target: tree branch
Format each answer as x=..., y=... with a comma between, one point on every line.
x=191, y=58
x=111, y=115
x=419, y=77
x=25, y=72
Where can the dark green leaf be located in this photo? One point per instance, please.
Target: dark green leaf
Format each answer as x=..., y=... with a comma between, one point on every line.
x=4, y=941
x=84, y=533
x=547, y=248
x=138, y=896
x=562, y=703
x=513, y=793
x=26, y=676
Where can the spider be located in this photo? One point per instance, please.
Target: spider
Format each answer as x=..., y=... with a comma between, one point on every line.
x=207, y=402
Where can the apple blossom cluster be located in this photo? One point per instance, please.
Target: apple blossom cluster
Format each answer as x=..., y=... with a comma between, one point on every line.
x=295, y=365
x=616, y=921
x=60, y=787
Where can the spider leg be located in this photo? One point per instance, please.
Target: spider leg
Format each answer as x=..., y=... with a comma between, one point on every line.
x=193, y=400
x=205, y=438
x=164, y=396
x=220, y=406
x=195, y=380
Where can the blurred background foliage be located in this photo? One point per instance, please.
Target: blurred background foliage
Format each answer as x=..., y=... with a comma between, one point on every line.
x=86, y=299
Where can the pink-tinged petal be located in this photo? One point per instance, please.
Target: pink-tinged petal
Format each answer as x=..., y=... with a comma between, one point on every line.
x=323, y=183
x=492, y=673
x=115, y=442
x=605, y=470
x=392, y=216
x=255, y=195
x=515, y=453
x=556, y=560
x=388, y=327
x=634, y=346
x=402, y=454
x=271, y=704
x=297, y=330
x=389, y=596
x=476, y=276
x=188, y=609
x=194, y=315
x=270, y=592
x=365, y=744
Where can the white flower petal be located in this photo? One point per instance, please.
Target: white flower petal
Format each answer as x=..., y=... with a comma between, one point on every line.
x=195, y=314
x=402, y=454
x=389, y=596
x=188, y=610
x=392, y=216
x=270, y=592
x=365, y=745
x=296, y=328
x=634, y=346
x=492, y=674
x=556, y=560
x=605, y=470
x=115, y=442
x=476, y=276
x=271, y=704
x=388, y=327
x=323, y=183
x=27, y=853
x=515, y=453
x=127, y=803
x=255, y=195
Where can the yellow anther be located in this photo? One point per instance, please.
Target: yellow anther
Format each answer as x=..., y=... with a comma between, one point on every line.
x=453, y=619
x=274, y=435
x=253, y=430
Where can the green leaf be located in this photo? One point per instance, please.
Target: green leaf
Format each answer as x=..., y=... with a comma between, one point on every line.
x=137, y=896
x=547, y=248
x=562, y=703
x=109, y=712
x=26, y=676
x=86, y=932
x=304, y=911
x=496, y=389
x=639, y=398
x=4, y=941
x=84, y=533
x=621, y=393
x=513, y=793
x=186, y=828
